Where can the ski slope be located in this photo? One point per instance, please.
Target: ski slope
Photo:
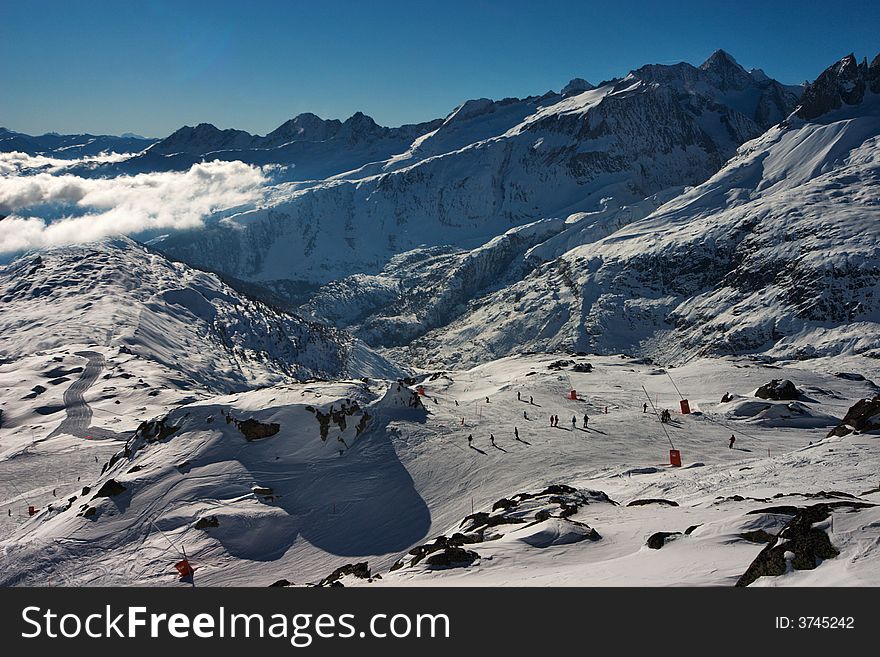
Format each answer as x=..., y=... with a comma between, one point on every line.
x=295, y=506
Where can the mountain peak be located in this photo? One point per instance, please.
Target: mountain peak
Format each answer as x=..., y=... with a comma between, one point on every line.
x=841, y=83
x=576, y=86
x=719, y=60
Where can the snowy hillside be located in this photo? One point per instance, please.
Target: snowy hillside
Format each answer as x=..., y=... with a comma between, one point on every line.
x=116, y=294
x=494, y=165
x=776, y=253
x=295, y=481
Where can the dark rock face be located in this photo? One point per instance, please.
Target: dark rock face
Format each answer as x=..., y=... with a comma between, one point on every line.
x=110, y=488
x=758, y=536
x=253, y=429
x=864, y=415
x=279, y=583
x=778, y=389
x=652, y=501
x=361, y=570
x=155, y=430
x=658, y=540
x=808, y=544
x=205, y=523
x=842, y=83
x=452, y=556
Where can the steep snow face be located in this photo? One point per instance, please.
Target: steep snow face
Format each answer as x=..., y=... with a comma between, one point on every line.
x=116, y=293
x=296, y=480
x=491, y=166
x=776, y=253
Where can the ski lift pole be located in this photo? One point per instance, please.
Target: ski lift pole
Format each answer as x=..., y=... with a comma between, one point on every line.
x=685, y=406
x=680, y=396
x=657, y=413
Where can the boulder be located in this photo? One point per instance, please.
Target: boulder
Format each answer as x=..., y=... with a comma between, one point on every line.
x=452, y=557
x=658, y=540
x=777, y=390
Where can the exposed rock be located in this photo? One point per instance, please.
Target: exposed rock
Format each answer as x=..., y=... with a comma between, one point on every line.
x=757, y=536
x=361, y=570
x=843, y=82
x=110, y=488
x=263, y=491
x=658, y=540
x=253, y=429
x=576, y=86
x=155, y=430
x=452, y=557
x=504, y=503
x=279, y=583
x=205, y=523
x=652, y=501
x=778, y=389
x=864, y=415
x=808, y=544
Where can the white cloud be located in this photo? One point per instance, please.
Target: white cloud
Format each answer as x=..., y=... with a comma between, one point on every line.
x=95, y=208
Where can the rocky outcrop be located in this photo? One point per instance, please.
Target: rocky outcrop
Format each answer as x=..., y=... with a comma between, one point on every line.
x=843, y=83
x=110, y=488
x=799, y=544
x=360, y=570
x=658, y=539
x=207, y=522
x=778, y=389
x=864, y=415
x=253, y=429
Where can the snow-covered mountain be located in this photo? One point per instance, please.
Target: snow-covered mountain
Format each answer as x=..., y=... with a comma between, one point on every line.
x=70, y=147
x=775, y=253
x=494, y=165
x=119, y=295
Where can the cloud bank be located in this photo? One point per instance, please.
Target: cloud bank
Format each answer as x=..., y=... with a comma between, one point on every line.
x=95, y=208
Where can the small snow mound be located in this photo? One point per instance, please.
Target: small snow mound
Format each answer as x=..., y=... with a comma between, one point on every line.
x=554, y=531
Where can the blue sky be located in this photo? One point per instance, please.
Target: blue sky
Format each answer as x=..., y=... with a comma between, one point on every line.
x=150, y=67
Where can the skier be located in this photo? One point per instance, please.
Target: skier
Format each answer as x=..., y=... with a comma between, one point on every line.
x=456, y=402
x=732, y=440
x=551, y=420
x=470, y=440
x=518, y=396
x=645, y=407
x=516, y=433
x=574, y=422
x=487, y=400
x=492, y=439
x=586, y=419
x=525, y=416
x=531, y=400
